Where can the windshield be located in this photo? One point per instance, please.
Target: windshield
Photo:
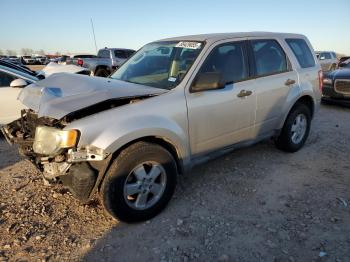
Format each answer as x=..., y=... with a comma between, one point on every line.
x=160, y=64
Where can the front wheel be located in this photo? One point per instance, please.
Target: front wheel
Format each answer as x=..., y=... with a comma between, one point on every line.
x=295, y=130
x=140, y=182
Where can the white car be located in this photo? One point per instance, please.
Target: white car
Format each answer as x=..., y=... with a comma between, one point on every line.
x=12, y=82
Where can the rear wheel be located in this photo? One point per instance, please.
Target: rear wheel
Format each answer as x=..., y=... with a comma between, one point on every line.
x=295, y=130
x=102, y=72
x=140, y=182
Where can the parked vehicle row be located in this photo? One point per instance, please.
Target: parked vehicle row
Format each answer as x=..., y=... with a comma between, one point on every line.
x=26, y=60
x=175, y=103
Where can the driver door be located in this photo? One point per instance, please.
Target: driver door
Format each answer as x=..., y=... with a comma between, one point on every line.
x=222, y=117
x=10, y=107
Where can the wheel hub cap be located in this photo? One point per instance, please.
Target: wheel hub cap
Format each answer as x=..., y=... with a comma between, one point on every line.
x=145, y=185
x=299, y=128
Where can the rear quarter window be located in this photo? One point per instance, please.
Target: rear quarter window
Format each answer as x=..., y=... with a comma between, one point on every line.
x=302, y=52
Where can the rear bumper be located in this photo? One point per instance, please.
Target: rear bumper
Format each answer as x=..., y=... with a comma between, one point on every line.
x=336, y=101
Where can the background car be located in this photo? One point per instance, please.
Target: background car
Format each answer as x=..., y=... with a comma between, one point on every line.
x=327, y=59
x=13, y=78
x=28, y=60
x=106, y=61
x=336, y=84
x=12, y=82
x=21, y=67
x=15, y=59
x=41, y=60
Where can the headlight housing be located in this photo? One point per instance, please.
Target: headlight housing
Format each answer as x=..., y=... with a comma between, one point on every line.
x=50, y=141
x=327, y=81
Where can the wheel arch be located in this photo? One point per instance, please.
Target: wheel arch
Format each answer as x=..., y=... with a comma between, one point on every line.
x=305, y=99
x=308, y=101
x=163, y=142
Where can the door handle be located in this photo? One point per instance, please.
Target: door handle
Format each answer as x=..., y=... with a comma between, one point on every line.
x=244, y=93
x=289, y=82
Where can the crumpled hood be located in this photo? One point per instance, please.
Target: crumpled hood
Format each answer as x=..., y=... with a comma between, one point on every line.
x=63, y=93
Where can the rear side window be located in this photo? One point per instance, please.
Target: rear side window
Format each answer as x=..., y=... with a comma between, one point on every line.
x=120, y=54
x=269, y=57
x=302, y=52
x=123, y=54
x=130, y=53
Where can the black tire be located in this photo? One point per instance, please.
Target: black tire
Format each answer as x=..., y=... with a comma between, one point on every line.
x=102, y=72
x=112, y=189
x=284, y=141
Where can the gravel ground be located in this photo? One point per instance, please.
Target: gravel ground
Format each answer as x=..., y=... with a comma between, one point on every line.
x=255, y=204
x=35, y=67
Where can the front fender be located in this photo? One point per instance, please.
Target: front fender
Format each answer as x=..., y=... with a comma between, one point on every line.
x=101, y=131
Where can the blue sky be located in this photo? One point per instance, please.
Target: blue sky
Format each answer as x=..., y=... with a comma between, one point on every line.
x=64, y=25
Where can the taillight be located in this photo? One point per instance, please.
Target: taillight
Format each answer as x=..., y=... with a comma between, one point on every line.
x=320, y=80
x=80, y=62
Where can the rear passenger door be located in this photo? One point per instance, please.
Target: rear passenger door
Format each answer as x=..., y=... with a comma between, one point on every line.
x=274, y=79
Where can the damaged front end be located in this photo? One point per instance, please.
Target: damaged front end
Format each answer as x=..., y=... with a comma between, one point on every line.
x=54, y=152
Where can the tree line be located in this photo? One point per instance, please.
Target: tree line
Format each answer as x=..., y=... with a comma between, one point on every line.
x=24, y=51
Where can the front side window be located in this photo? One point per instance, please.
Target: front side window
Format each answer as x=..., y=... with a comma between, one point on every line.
x=103, y=54
x=160, y=64
x=269, y=57
x=228, y=60
x=302, y=52
x=6, y=79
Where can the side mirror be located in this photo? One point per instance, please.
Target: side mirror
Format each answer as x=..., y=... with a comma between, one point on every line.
x=18, y=83
x=207, y=81
x=322, y=58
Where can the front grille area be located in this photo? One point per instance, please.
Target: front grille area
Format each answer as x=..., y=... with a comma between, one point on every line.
x=22, y=131
x=342, y=86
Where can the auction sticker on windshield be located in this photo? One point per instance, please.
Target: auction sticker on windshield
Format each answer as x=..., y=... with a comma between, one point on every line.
x=189, y=45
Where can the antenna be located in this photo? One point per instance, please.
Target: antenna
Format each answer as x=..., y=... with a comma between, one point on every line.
x=93, y=32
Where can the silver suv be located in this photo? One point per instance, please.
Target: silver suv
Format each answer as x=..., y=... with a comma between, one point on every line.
x=174, y=104
x=328, y=60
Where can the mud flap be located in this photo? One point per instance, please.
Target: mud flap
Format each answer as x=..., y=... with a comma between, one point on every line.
x=80, y=180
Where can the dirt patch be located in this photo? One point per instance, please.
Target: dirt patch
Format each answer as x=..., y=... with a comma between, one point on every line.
x=35, y=67
x=255, y=204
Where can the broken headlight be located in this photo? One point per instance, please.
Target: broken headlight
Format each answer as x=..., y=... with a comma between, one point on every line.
x=50, y=141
